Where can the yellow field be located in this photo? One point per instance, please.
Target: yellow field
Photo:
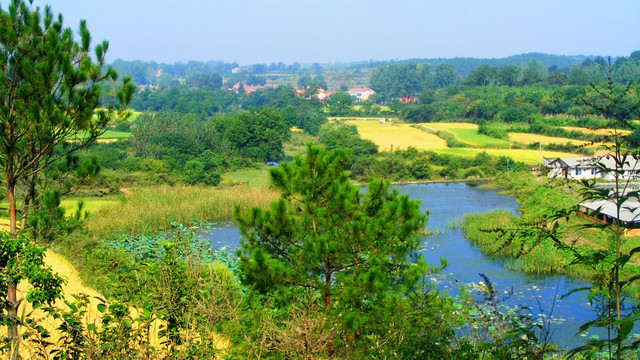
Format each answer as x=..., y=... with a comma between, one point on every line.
x=597, y=132
x=396, y=136
x=525, y=138
x=527, y=156
x=402, y=136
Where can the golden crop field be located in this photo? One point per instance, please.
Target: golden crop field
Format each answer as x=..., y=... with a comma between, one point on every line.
x=401, y=136
x=597, y=132
x=391, y=135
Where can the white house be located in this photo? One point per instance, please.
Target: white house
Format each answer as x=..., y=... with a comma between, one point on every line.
x=361, y=93
x=591, y=167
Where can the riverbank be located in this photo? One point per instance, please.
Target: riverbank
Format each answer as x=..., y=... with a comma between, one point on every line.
x=526, y=240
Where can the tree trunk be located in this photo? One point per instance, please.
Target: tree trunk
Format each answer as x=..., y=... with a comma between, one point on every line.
x=327, y=279
x=12, y=207
x=12, y=329
x=27, y=200
x=12, y=296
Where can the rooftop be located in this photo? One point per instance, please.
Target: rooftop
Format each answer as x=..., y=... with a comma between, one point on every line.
x=629, y=212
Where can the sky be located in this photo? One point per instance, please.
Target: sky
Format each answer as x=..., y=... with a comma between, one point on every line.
x=333, y=31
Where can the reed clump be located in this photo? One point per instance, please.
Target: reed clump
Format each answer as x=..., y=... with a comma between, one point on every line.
x=152, y=209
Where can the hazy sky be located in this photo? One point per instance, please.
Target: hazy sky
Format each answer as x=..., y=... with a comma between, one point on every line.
x=306, y=31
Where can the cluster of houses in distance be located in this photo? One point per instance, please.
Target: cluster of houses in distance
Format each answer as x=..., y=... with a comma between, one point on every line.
x=358, y=93
x=604, y=167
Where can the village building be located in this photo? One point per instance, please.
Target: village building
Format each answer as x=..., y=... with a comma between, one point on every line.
x=361, y=93
x=605, y=211
x=251, y=88
x=591, y=167
x=323, y=94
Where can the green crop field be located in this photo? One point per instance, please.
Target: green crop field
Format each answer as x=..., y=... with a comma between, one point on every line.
x=471, y=136
x=468, y=133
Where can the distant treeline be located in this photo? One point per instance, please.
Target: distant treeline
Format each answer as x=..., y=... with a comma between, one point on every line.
x=146, y=72
x=503, y=104
x=397, y=80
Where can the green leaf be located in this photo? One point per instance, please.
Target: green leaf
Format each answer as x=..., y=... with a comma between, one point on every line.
x=626, y=325
x=102, y=308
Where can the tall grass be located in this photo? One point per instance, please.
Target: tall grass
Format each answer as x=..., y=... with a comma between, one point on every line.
x=495, y=233
x=149, y=210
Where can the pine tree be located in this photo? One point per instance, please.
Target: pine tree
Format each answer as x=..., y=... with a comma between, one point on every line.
x=50, y=89
x=352, y=249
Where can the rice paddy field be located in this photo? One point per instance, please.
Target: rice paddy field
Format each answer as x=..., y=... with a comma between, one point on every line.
x=468, y=134
x=392, y=135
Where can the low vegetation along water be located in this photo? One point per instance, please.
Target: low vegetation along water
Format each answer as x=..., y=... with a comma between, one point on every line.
x=447, y=204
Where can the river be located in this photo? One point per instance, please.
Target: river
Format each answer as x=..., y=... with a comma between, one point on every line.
x=447, y=204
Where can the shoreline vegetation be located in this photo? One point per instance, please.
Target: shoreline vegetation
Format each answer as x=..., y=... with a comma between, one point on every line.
x=148, y=212
x=501, y=233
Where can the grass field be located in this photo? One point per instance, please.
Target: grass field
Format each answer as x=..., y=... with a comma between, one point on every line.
x=525, y=138
x=92, y=205
x=468, y=134
x=597, y=132
x=248, y=177
x=397, y=136
x=108, y=136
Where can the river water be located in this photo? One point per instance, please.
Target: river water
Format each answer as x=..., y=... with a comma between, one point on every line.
x=447, y=204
